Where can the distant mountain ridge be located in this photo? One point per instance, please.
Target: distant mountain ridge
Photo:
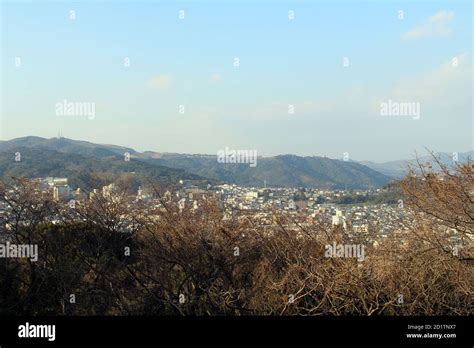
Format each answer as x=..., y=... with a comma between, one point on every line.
x=66, y=145
x=280, y=171
x=277, y=171
x=38, y=161
x=398, y=169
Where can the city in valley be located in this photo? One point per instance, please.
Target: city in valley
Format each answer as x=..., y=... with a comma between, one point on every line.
x=368, y=216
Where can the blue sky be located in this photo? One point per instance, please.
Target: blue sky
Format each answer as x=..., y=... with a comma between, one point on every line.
x=283, y=62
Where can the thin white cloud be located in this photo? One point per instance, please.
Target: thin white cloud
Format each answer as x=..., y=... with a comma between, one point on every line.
x=437, y=26
x=281, y=109
x=160, y=81
x=436, y=85
x=444, y=88
x=216, y=77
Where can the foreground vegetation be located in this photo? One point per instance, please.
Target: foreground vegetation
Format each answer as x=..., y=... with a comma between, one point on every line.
x=107, y=257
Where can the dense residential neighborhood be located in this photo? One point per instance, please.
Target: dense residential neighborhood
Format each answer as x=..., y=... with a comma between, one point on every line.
x=368, y=220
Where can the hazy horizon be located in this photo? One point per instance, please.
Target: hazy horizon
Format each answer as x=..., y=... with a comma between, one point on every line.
x=425, y=152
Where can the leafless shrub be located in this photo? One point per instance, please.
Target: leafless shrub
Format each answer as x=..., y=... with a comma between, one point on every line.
x=192, y=261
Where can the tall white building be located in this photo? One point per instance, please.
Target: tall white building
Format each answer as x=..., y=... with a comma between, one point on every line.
x=339, y=219
x=61, y=192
